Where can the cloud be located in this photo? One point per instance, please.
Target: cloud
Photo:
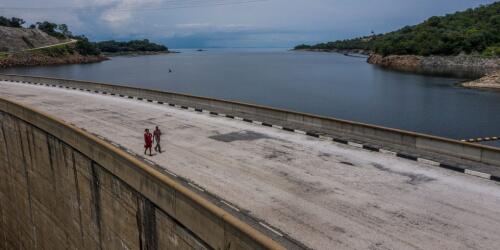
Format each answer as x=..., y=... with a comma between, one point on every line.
x=122, y=11
x=220, y=23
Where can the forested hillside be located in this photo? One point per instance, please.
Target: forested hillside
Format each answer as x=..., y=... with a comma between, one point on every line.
x=130, y=46
x=473, y=31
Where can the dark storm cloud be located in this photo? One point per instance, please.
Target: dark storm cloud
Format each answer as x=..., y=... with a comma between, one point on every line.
x=232, y=23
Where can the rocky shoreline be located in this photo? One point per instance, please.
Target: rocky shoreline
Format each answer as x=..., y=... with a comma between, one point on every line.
x=489, y=81
x=341, y=51
x=478, y=65
x=486, y=71
x=34, y=59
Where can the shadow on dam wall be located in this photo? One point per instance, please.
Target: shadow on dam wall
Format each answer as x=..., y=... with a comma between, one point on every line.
x=61, y=188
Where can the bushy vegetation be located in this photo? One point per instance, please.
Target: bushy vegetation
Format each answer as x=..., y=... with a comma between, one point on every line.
x=12, y=22
x=130, y=46
x=85, y=47
x=470, y=31
x=53, y=29
x=56, y=30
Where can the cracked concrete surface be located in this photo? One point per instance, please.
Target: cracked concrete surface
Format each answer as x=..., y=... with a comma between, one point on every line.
x=325, y=195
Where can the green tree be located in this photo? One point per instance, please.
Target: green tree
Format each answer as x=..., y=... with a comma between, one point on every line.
x=14, y=22
x=86, y=48
x=63, y=28
x=49, y=28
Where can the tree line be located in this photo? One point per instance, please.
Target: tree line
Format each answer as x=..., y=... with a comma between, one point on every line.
x=473, y=31
x=144, y=45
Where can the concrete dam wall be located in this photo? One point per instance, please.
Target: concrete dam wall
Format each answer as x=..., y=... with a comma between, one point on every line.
x=63, y=188
x=415, y=144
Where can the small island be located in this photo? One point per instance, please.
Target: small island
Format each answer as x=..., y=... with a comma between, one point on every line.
x=133, y=47
x=466, y=41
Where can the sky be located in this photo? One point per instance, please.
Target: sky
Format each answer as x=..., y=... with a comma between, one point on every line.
x=231, y=23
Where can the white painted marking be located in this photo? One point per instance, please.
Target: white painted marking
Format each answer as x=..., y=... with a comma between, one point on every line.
x=206, y=111
x=478, y=174
x=170, y=173
x=229, y=205
x=257, y=122
x=300, y=131
x=429, y=162
x=223, y=115
x=195, y=186
x=238, y=118
x=271, y=229
x=387, y=152
x=354, y=144
x=276, y=126
x=326, y=138
x=190, y=109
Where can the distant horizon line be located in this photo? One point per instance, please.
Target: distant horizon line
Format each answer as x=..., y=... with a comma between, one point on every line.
x=256, y=47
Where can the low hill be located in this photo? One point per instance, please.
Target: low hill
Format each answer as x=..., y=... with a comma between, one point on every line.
x=473, y=31
x=133, y=46
x=45, y=43
x=18, y=39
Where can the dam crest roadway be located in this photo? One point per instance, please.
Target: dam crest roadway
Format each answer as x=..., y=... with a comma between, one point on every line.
x=314, y=192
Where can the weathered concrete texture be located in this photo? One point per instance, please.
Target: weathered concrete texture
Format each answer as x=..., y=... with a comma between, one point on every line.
x=414, y=143
x=323, y=194
x=53, y=197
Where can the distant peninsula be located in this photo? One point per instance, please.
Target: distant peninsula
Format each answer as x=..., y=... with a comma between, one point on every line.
x=133, y=47
x=463, y=41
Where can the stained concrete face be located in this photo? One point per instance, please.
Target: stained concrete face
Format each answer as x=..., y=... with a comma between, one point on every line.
x=239, y=136
x=322, y=194
x=53, y=197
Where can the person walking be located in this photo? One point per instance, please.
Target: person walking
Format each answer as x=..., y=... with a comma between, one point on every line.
x=157, y=138
x=148, y=141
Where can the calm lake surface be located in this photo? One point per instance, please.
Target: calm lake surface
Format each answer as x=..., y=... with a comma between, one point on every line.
x=320, y=83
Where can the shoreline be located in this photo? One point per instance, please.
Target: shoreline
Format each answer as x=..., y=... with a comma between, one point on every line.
x=138, y=53
x=346, y=52
x=32, y=60
x=484, y=72
x=489, y=81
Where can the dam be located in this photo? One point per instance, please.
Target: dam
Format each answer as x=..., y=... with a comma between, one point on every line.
x=233, y=176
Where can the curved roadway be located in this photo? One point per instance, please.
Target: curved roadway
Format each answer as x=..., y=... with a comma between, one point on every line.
x=323, y=194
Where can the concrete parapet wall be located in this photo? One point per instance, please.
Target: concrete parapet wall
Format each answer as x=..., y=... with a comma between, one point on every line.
x=307, y=122
x=62, y=188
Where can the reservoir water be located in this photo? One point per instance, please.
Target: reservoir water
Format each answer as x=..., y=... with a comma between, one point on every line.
x=321, y=83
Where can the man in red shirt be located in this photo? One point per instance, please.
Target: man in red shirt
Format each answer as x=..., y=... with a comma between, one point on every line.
x=148, y=141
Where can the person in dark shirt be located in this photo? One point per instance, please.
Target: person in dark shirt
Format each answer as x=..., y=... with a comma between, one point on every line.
x=157, y=138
